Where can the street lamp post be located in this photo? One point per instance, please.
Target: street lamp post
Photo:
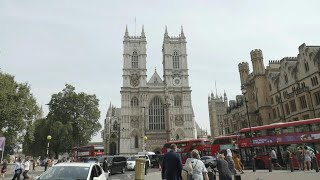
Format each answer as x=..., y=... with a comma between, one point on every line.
x=145, y=138
x=244, y=92
x=48, y=146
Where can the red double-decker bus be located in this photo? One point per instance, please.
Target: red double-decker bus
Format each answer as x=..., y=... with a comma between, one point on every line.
x=221, y=143
x=280, y=136
x=87, y=151
x=186, y=146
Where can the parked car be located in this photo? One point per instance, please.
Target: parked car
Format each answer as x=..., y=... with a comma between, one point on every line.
x=83, y=171
x=208, y=159
x=131, y=162
x=117, y=164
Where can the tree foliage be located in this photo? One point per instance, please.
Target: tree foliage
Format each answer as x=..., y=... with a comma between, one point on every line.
x=17, y=108
x=74, y=119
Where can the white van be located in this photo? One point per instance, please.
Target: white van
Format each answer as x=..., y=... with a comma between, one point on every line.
x=146, y=153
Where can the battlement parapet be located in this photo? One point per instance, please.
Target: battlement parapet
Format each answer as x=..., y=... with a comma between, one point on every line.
x=243, y=66
x=290, y=58
x=274, y=62
x=257, y=53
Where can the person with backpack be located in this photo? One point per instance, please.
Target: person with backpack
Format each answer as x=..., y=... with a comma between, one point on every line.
x=195, y=169
x=17, y=169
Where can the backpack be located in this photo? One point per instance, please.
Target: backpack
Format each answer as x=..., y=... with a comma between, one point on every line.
x=190, y=170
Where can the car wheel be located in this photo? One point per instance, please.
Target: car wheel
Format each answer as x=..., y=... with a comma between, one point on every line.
x=123, y=170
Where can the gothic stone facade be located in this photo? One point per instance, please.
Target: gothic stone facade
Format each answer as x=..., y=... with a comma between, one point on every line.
x=217, y=109
x=158, y=108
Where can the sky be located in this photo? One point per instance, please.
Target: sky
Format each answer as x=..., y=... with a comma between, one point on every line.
x=51, y=43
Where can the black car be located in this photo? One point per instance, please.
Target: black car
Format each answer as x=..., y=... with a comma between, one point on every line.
x=116, y=164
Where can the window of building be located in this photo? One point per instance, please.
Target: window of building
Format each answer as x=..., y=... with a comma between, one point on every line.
x=175, y=60
x=136, y=142
x=278, y=111
x=274, y=113
x=306, y=116
x=317, y=97
x=134, y=102
x=295, y=119
x=270, y=87
x=134, y=59
x=177, y=101
x=272, y=100
x=303, y=102
x=293, y=106
x=287, y=108
x=303, y=84
x=286, y=78
x=314, y=81
x=156, y=114
x=306, y=66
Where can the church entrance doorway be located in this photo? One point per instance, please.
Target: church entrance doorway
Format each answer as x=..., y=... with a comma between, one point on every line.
x=113, y=148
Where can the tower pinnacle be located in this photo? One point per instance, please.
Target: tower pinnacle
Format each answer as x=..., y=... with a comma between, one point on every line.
x=142, y=33
x=126, y=34
x=182, y=34
x=166, y=33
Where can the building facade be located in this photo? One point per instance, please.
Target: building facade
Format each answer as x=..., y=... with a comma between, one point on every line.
x=156, y=109
x=217, y=109
x=285, y=90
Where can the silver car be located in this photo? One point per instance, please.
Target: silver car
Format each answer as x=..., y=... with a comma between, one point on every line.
x=74, y=171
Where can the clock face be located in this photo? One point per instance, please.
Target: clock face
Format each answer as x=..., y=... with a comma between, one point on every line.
x=176, y=82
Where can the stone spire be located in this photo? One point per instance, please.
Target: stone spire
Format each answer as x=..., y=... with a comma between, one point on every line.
x=182, y=34
x=143, y=35
x=166, y=33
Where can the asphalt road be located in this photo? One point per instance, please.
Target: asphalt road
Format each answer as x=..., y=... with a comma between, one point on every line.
x=129, y=174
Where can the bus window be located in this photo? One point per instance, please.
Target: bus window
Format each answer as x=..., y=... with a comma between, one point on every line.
x=270, y=132
x=315, y=127
x=257, y=133
x=263, y=132
x=287, y=130
x=278, y=131
x=302, y=128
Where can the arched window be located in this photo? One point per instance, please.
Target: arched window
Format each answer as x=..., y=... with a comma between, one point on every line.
x=136, y=142
x=134, y=102
x=175, y=60
x=156, y=114
x=286, y=78
x=177, y=101
x=134, y=59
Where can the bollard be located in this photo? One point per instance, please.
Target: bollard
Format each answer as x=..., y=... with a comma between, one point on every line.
x=140, y=169
x=270, y=165
x=291, y=164
x=237, y=177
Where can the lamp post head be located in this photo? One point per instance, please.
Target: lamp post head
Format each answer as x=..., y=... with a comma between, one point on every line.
x=49, y=137
x=145, y=138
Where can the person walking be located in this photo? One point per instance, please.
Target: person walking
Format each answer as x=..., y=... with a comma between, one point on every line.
x=286, y=158
x=17, y=169
x=171, y=165
x=300, y=158
x=26, y=169
x=223, y=169
x=4, y=168
x=307, y=158
x=230, y=161
x=274, y=158
x=237, y=162
x=199, y=170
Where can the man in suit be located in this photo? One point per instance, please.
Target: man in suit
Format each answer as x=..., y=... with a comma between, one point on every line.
x=171, y=165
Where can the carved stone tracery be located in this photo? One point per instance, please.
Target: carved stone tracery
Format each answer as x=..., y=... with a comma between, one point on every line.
x=134, y=123
x=179, y=120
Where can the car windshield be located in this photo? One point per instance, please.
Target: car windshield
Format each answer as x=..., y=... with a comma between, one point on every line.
x=131, y=158
x=65, y=172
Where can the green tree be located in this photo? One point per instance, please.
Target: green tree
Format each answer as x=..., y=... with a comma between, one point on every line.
x=74, y=119
x=17, y=108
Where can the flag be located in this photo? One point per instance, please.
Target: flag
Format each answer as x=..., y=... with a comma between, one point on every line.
x=2, y=143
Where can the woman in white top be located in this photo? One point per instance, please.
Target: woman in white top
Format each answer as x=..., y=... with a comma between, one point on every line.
x=307, y=158
x=199, y=170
